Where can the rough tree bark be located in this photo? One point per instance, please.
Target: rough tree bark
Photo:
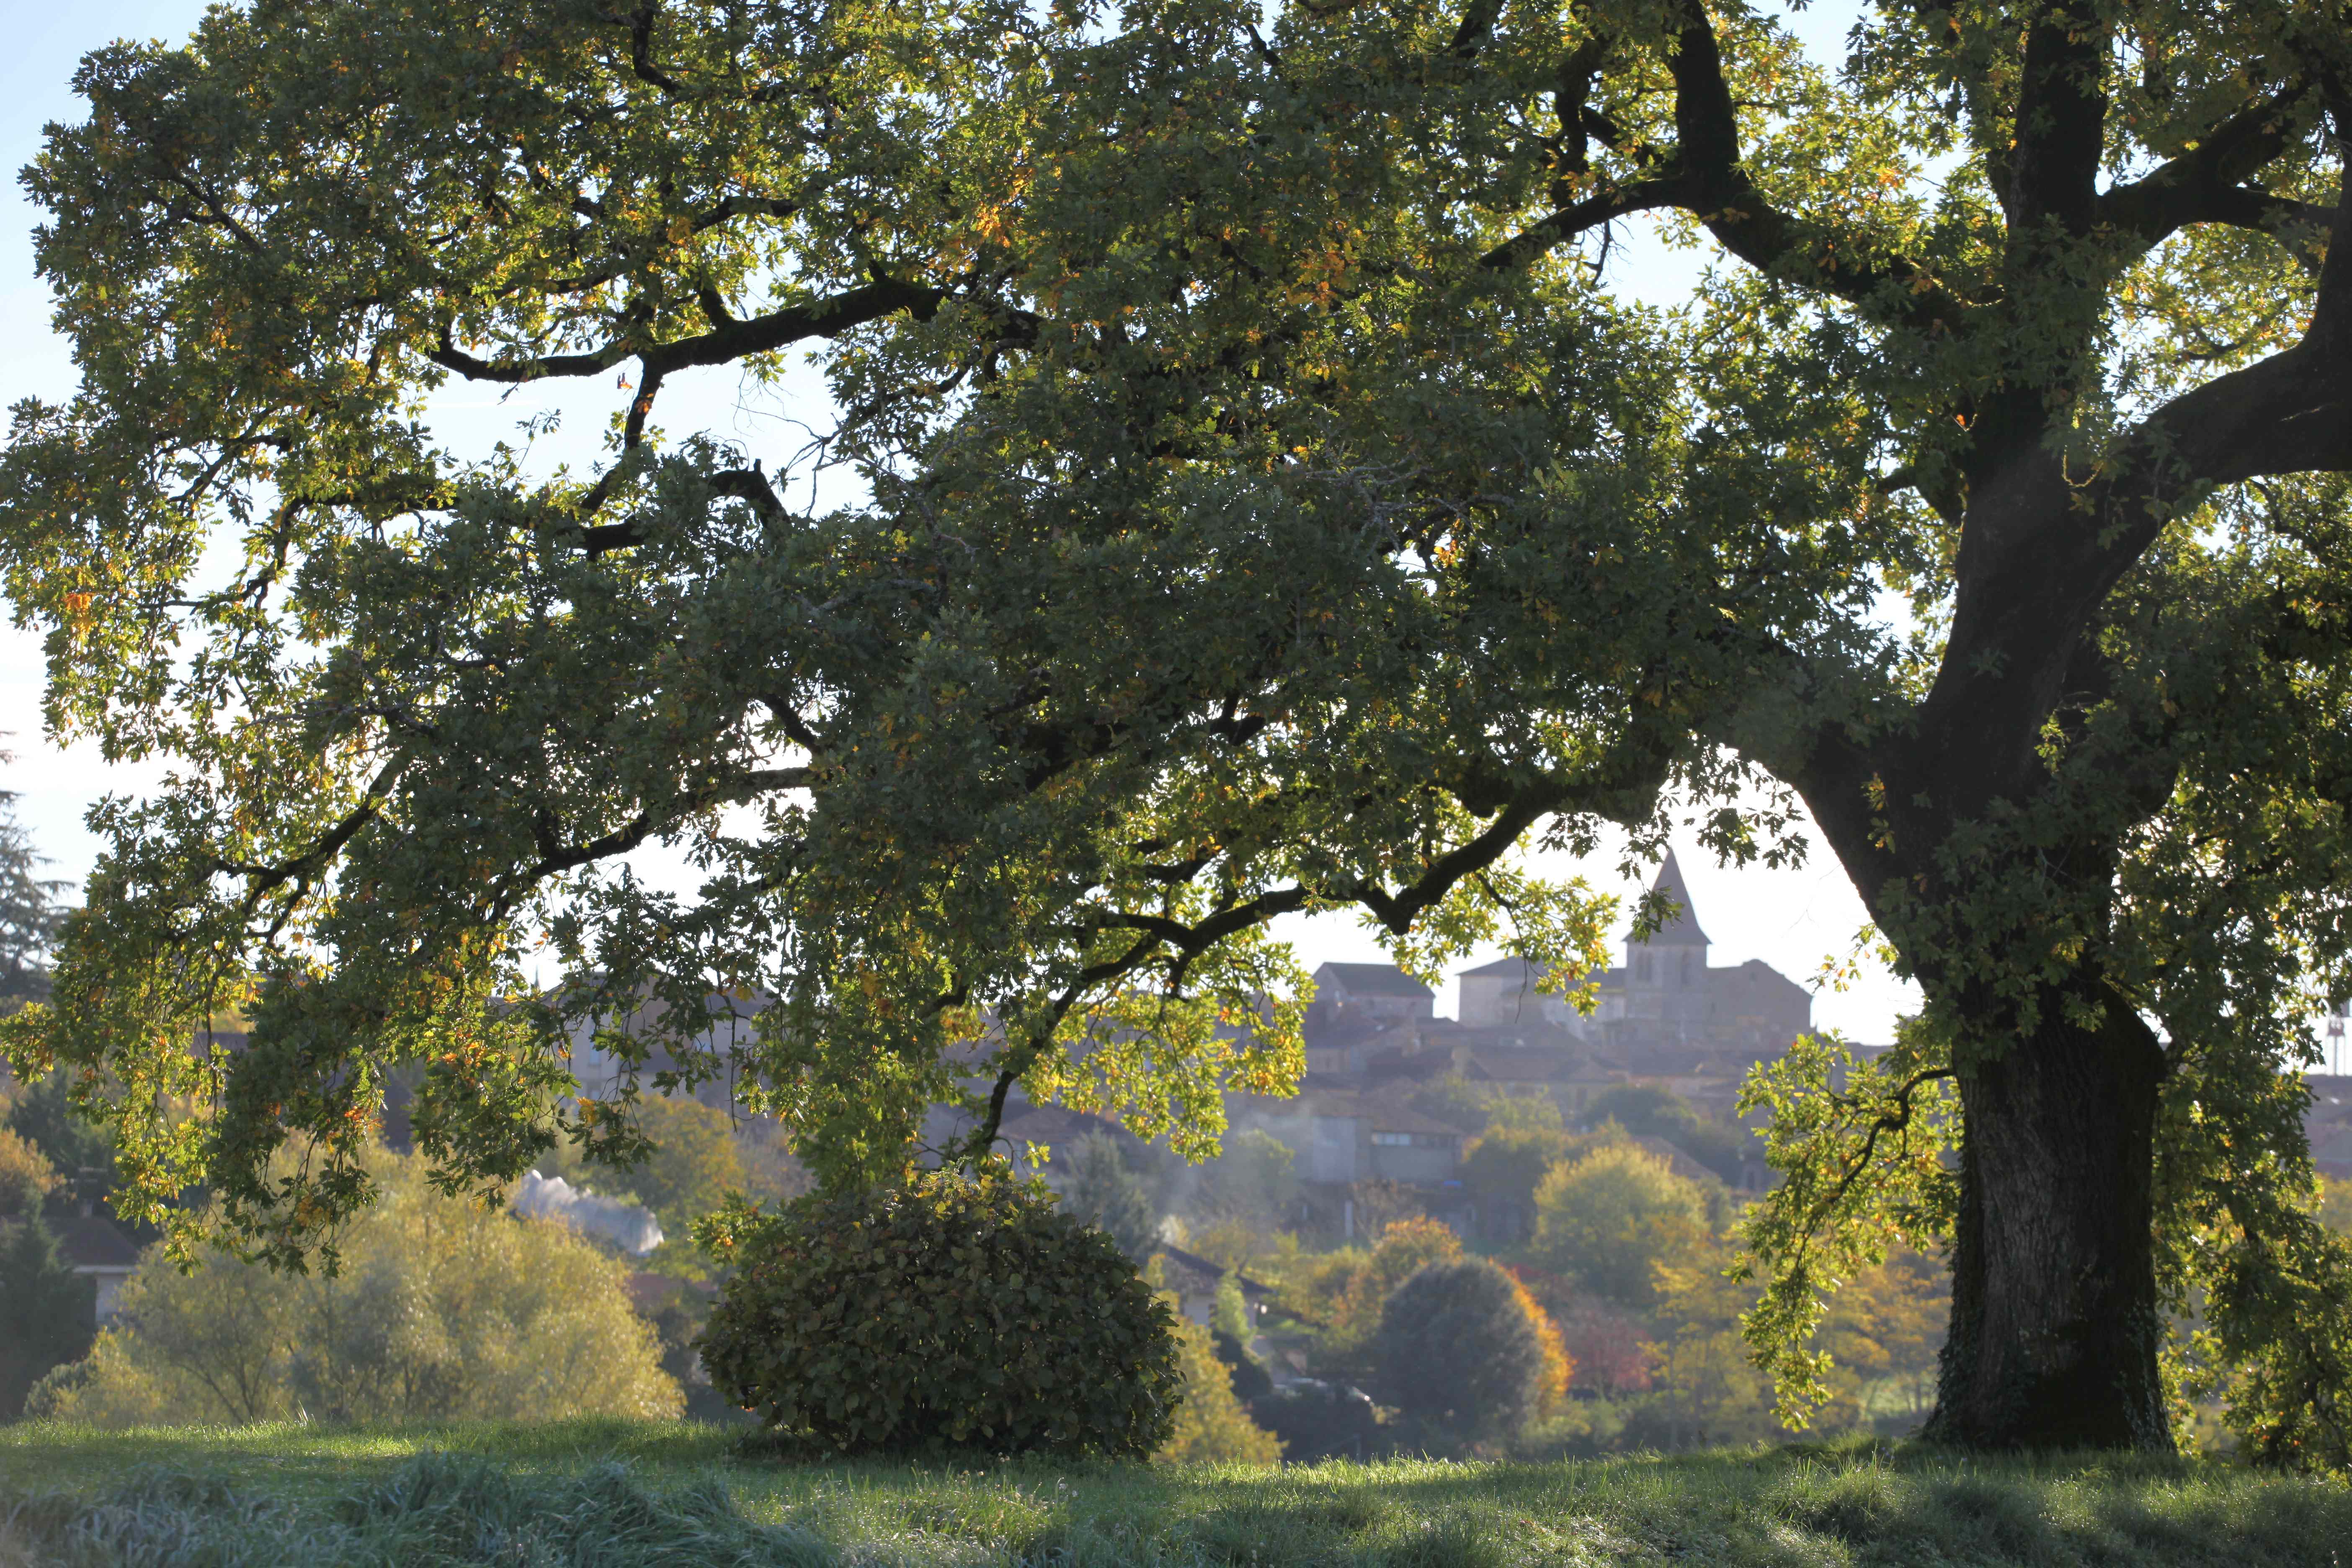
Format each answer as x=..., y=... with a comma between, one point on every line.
x=2055, y=1323
x=2055, y=1320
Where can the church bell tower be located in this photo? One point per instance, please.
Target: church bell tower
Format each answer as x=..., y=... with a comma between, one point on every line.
x=1665, y=976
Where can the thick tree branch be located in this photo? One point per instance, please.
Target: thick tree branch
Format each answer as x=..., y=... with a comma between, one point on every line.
x=1192, y=941
x=1478, y=18
x=1556, y=229
x=1714, y=186
x=2207, y=183
x=1162, y=936
x=641, y=52
x=729, y=341
x=450, y=356
x=556, y=857
x=303, y=869
x=746, y=485
x=1703, y=175
x=2291, y=413
x=1398, y=912
x=2043, y=546
x=2062, y=113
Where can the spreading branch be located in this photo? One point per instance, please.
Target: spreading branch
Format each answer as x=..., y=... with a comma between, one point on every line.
x=723, y=343
x=2208, y=184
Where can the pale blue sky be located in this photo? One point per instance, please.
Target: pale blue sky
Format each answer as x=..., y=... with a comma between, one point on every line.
x=1791, y=920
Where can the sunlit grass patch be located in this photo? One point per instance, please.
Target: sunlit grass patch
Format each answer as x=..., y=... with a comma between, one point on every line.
x=605, y=1494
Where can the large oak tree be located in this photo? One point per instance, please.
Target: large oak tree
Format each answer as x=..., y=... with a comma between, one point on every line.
x=1270, y=504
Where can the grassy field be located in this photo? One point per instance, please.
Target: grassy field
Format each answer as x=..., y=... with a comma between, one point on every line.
x=604, y=1495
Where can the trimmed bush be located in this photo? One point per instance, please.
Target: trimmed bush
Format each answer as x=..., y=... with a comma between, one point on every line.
x=949, y=1312
x=1459, y=1349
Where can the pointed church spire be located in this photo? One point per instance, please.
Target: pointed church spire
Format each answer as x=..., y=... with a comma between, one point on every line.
x=1682, y=928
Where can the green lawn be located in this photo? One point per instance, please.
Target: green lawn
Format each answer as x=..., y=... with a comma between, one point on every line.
x=614, y=1495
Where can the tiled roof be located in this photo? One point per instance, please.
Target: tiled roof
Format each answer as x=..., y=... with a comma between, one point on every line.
x=1680, y=1163
x=1375, y=980
x=2329, y=1088
x=1193, y=1263
x=1755, y=981
x=1506, y=1066
x=1323, y=1036
x=91, y=1243
x=1395, y=1064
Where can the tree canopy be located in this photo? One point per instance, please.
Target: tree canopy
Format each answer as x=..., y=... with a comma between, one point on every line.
x=1611, y=1218
x=1270, y=503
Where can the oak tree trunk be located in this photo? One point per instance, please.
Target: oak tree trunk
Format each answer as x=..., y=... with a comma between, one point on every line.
x=2055, y=1323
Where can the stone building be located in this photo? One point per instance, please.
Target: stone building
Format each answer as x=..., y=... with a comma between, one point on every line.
x=1666, y=1012
x=1664, y=1016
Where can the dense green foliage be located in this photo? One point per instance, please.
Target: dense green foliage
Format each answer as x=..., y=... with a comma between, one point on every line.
x=940, y=1312
x=1611, y=1217
x=46, y=1309
x=693, y=1165
x=45, y=1306
x=1630, y=1293
x=43, y=1115
x=691, y=1162
x=1647, y=1111
x=440, y=1309
x=1268, y=502
x=1341, y=1294
x=1457, y=1349
x=2336, y=1204
x=623, y=1496
x=1510, y=1155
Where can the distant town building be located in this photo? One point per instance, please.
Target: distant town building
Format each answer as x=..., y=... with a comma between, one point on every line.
x=98, y=1252
x=1666, y=1014
x=1348, y=995
x=2327, y=1122
x=1665, y=1011
x=1373, y=1044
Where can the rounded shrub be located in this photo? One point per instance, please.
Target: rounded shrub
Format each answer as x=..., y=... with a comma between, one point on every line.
x=945, y=1312
x=1458, y=1348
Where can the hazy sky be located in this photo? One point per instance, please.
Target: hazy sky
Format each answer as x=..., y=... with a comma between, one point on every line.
x=1793, y=920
